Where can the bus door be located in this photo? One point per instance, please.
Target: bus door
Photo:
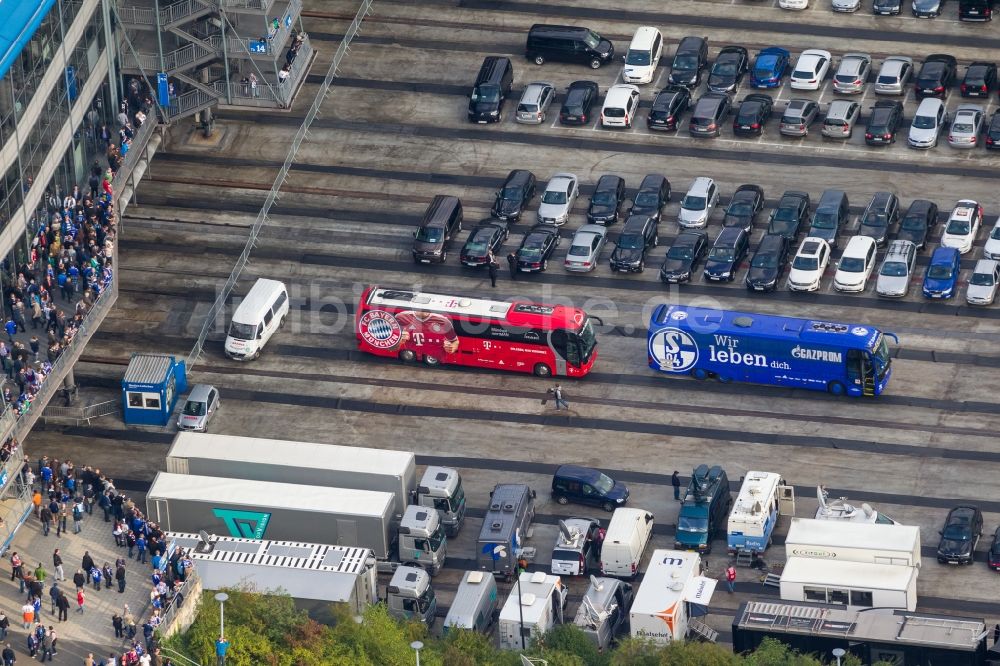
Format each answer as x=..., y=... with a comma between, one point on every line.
x=855, y=369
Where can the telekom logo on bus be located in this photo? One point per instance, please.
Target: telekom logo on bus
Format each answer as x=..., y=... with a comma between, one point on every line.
x=380, y=329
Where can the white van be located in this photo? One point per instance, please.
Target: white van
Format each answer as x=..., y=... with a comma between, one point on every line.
x=643, y=55
x=620, y=106
x=625, y=541
x=260, y=314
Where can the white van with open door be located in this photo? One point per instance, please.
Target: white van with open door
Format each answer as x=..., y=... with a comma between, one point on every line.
x=261, y=313
x=625, y=541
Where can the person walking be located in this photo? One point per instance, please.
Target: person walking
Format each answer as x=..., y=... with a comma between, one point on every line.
x=62, y=603
x=120, y=577
x=80, y=599
x=46, y=517
x=79, y=579
x=87, y=564
x=512, y=264
x=95, y=576
x=27, y=614
x=55, y=639
x=54, y=596
x=108, y=574
x=77, y=517
x=140, y=546
x=731, y=578
x=57, y=562
x=46, y=646
x=492, y=266
x=4, y=625
x=996, y=634
x=40, y=573
x=9, y=657
x=119, y=624
x=675, y=481
x=221, y=647
x=63, y=517
x=557, y=394
x=17, y=571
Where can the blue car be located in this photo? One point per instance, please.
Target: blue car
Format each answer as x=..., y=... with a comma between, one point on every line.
x=769, y=67
x=942, y=273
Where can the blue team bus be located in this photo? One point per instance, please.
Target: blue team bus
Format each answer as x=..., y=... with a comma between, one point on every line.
x=844, y=359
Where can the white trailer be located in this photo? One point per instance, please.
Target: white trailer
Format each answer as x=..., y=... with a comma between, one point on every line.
x=856, y=585
x=309, y=571
x=535, y=605
x=854, y=542
x=755, y=513
x=661, y=611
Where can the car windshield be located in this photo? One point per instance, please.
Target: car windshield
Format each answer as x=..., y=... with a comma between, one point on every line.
x=939, y=272
x=824, y=221
x=924, y=122
x=647, y=199
x=686, y=62
x=638, y=58
x=682, y=252
x=604, y=198
x=958, y=532
x=852, y=265
x=913, y=223
x=475, y=247
x=687, y=524
x=630, y=241
x=805, y=263
x=764, y=260
x=740, y=208
x=722, y=254
x=430, y=234
x=893, y=269
x=877, y=220
x=488, y=93
x=725, y=68
x=786, y=215
x=974, y=80
x=995, y=234
x=958, y=227
x=554, y=197
x=512, y=192
x=982, y=279
x=579, y=250
x=592, y=40
x=194, y=408
x=604, y=484
x=692, y=202
x=240, y=331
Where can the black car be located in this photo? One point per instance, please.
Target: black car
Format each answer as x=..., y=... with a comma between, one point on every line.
x=918, y=221
x=790, y=215
x=879, y=217
x=606, y=201
x=729, y=69
x=993, y=555
x=962, y=531
x=690, y=59
x=993, y=132
x=653, y=195
x=884, y=122
x=708, y=114
x=517, y=190
x=668, y=107
x=747, y=201
x=536, y=248
x=936, y=74
x=767, y=263
x=638, y=235
x=488, y=236
x=980, y=79
x=683, y=256
x=887, y=7
x=580, y=98
x=727, y=253
x=754, y=112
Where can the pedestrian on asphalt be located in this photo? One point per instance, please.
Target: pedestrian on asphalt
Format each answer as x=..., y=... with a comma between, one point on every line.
x=493, y=267
x=52, y=635
x=129, y=620
x=88, y=564
x=108, y=574
x=17, y=570
x=675, y=481
x=140, y=545
x=36, y=606
x=63, y=517
x=130, y=540
x=221, y=647
x=89, y=661
x=80, y=599
x=62, y=603
x=57, y=562
x=46, y=516
x=110, y=661
x=996, y=634
x=119, y=624
x=27, y=614
x=9, y=658
x=32, y=645
x=11, y=329
x=512, y=264
x=95, y=575
x=731, y=578
x=40, y=573
x=120, y=577
x=557, y=394
x=79, y=579
x=77, y=517
x=46, y=647
x=4, y=625
x=105, y=503
x=54, y=596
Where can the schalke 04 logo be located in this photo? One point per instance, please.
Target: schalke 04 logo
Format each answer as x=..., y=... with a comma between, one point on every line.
x=674, y=349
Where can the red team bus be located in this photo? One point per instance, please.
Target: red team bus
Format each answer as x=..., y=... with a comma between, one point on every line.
x=520, y=336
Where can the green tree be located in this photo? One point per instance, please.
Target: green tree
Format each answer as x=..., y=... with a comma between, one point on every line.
x=636, y=652
x=771, y=652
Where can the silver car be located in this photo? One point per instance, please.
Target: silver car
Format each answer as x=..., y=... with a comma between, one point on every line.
x=698, y=203
x=982, y=289
x=201, y=406
x=966, y=127
x=535, y=101
x=558, y=199
x=852, y=74
x=586, y=248
x=845, y=5
x=897, y=269
x=929, y=121
x=798, y=115
x=841, y=118
x=895, y=73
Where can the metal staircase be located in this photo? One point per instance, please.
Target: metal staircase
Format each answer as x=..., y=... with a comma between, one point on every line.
x=699, y=629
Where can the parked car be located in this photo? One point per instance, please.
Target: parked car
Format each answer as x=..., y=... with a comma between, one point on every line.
x=668, y=107
x=879, y=217
x=199, y=409
x=441, y=222
x=576, y=546
x=918, y=221
x=769, y=67
x=926, y=8
x=993, y=555
x=584, y=485
x=638, y=235
x=793, y=4
x=831, y=216
x=620, y=106
x=698, y=203
x=963, y=225
x=643, y=55
x=683, y=256
x=746, y=202
x=962, y=530
x=993, y=132
x=966, y=127
x=887, y=7
x=729, y=69
x=809, y=264
x=897, y=269
x=585, y=249
x=791, y=214
x=752, y=115
x=936, y=74
x=942, y=273
x=929, y=121
x=535, y=102
x=982, y=289
x=856, y=265
x=606, y=200
x=489, y=236
x=536, y=248
x=568, y=44
x=980, y=78
x=558, y=199
x=884, y=122
x=652, y=196
x=726, y=255
x=810, y=69
x=845, y=5
x=580, y=98
x=767, y=263
x=491, y=90
x=798, y=116
x=852, y=73
x=894, y=75
x=690, y=60
x=514, y=195
x=991, y=250
x=708, y=114
x=840, y=119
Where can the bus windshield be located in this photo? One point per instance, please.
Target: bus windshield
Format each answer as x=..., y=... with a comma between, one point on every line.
x=586, y=340
x=882, y=360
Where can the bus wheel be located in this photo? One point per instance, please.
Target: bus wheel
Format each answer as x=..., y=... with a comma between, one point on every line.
x=542, y=370
x=723, y=380
x=836, y=388
x=430, y=360
x=699, y=373
x=407, y=355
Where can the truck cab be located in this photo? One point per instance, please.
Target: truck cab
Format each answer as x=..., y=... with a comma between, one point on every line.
x=422, y=540
x=409, y=596
x=704, y=509
x=441, y=488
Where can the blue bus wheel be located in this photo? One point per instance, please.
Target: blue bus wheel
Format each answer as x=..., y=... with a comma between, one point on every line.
x=699, y=373
x=723, y=380
x=836, y=388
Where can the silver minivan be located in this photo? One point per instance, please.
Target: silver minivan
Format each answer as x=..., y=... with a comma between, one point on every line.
x=897, y=269
x=841, y=118
x=535, y=102
x=201, y=405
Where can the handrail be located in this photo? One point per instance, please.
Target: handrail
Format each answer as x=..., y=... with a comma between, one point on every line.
x=174, y=654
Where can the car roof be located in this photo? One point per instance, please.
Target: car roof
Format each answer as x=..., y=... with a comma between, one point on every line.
x=533, y=91
x=881, y=198
x=617, y=94
x=773, y=51
x=793, y=194
x=546, y=229
x=728, y=236
x=839, y=108
x=929, y=106
x=688, y=237
x=652, y=181
x=985, y=266
x=968, y=109
x=577, y=472
x=199, y=393
x=813, y=54
x=582, y=85
x=558, y=178
x=899, y=247
x=710, y=102
x=635, y=223
x=608, y=180
x=690, y=43
x=811, y=246
x=734, y=50
x=772, y=242
x=940, y=57
x=964, y=210
x=700, y=185
x=858, y=246
x=798, y=104
x=518, y=177
x=593, y=229
x=894, y=64
x=944, y=254
x=643, y=37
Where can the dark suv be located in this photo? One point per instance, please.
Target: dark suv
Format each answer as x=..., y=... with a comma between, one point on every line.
x=580, y=97
x=884, y=122
x=585, y=485
x=726, y=254
x=690, y=59
x=768, y=263
x=606, y=201
x=683, y=256
x=440, y=224
x=918, y=221
x=515, y=193
x=638, y=235
x=879, y=217
x=753, y=114
x=980, y=79
x=668, y=107
x=790, y=215
x=936, y=74
x=653, y=195
x=708, y=114
x=745, y=204
x=491, y=90
x=962, y=531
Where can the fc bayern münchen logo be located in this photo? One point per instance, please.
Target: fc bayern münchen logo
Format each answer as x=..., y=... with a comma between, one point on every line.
x=380, y=329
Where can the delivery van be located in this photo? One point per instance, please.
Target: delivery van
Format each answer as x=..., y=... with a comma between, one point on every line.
x=625, y=541
x=257, y=318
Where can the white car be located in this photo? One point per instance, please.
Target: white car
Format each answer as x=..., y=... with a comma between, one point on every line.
x=793, y=4
x=982, y=289
x=809, y=264
x=963, y=225
x=698, y=203
x=558, y=199
x=810, y=69
x=992, y=248
x=845, y=5
x=620, y=106
x=928, y=123
x=856, y=264
x=586, y=248
x=643, y=55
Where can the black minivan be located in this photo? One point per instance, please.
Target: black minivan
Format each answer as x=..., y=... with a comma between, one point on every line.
x=491, y=90
x=584, y=485
x=567, y=43
x=440, y=224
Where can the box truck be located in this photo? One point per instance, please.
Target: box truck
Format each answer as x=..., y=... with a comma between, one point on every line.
x=314, y=464
x=506, y=526
x=410, y=596
x=535, y=606
x=662, y=609
x=854, y=542
x=288, y=512
x=476, y=604
x=856, y=585
x=755, y=513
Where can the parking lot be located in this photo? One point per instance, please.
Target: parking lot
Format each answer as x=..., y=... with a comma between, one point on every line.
x=393, y=134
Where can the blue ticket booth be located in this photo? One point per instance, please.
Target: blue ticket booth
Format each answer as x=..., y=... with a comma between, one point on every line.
x=150, y=388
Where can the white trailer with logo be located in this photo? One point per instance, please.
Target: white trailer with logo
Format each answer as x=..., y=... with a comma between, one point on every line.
x=837, y=540
x=673, y=584
x=535, y=605
x=856, y=585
